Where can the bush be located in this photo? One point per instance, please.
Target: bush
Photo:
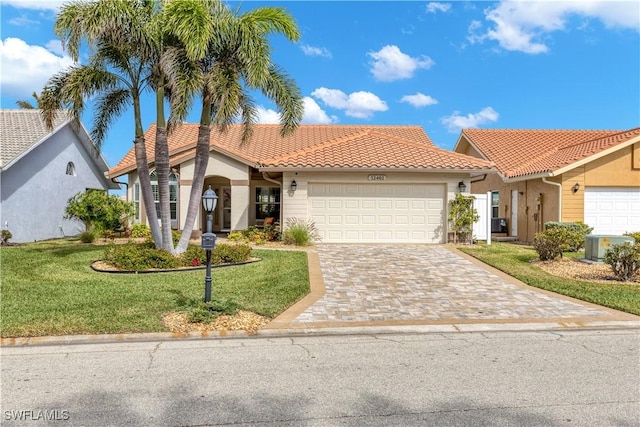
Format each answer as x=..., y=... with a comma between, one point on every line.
x=300, y=232
x=225, y=253
x=194, y=256
x=88, y=236
x=140, y=230
x=133, y=256
x=551, y=243
x=144, y=256
x=5, y=235
x=97, y=209
x=462, y=216
x=256, y=235
x=576, y=232
x=634, y=234
x=624, y=260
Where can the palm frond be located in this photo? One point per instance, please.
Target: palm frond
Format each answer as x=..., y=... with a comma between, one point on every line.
x=109, y=106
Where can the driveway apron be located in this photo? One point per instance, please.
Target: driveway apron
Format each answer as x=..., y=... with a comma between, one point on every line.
x=370, y=283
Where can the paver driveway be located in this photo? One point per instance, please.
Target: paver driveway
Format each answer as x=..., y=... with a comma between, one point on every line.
x=366, y=283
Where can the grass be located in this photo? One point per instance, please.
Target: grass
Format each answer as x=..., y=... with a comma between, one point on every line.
x=48, y=288
x=515, y=261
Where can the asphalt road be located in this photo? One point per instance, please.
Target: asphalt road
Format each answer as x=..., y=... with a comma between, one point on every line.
x=574, y=378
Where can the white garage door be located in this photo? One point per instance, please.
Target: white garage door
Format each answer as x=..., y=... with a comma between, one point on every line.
x=612, y=210
x=378, y=212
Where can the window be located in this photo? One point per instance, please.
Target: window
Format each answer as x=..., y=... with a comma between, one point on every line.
x=71, y=169
x=173, y=194
x=495, y=204
x=268, y=202
x=136, y=201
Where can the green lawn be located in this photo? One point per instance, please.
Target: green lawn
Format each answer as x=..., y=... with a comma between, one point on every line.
x=515, y=261
x=48, y=288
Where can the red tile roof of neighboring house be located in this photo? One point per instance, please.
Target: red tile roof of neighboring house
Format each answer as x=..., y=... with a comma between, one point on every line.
x=518, y=152
x=340, y=146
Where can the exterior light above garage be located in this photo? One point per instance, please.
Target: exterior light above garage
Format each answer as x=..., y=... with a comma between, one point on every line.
x=294, y=185
x=462, y=187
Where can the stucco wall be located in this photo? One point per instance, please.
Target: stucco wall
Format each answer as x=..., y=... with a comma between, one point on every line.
x=35, y=190
x=537, y=203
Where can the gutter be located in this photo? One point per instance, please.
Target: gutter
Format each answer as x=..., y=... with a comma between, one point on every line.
x=557, y=184
x=126, y=186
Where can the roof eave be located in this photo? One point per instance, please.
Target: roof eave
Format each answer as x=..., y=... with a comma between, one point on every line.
x=262, y=168
x=597, y=156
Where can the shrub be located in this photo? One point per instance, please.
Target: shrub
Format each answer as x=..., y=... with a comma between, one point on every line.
x=96, y=208
x=634, y=234
x=624, y=260
x=5, y=235
x=256, y=235
x=551, y=243
x=576, y=232
x=88, y=236
x=133, y=256
x=300, y=232
x=462, y=216
x=140, y=230
x=194, y=256
x=225, y=253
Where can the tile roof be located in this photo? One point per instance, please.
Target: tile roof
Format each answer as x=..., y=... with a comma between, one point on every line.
x=342, y=146
x=20, y=130
x=521, y=152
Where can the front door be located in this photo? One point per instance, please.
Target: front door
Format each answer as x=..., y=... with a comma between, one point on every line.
x=514, y=213
x=225, y=208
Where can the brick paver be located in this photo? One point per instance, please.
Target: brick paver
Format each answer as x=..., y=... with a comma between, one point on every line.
x=367, y=283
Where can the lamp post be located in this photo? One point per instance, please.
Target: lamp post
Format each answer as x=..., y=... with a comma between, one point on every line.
x=209, y=202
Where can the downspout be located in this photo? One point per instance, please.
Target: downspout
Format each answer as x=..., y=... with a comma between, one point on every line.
x=557, y=184
x=266, y=177
x=126, y=184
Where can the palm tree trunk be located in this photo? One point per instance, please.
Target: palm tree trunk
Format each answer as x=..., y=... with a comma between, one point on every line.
x=145, y=188
x=162, y=170
x=199, y=170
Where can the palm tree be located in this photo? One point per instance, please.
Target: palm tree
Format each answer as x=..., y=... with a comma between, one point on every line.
x=27, y=105
x=126, y=40
x=235, y=59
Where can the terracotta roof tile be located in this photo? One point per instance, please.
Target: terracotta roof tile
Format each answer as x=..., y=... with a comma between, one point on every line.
x=518, y=152
x=314, y=145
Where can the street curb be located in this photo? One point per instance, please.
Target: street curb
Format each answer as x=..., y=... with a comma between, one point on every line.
x=332, y=331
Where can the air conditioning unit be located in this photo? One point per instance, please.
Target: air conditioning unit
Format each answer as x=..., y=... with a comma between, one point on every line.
x=498, y=225
x=596, y=246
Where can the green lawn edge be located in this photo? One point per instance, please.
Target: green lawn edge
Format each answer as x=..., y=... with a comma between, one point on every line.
x=49, y=288
x=515, y=260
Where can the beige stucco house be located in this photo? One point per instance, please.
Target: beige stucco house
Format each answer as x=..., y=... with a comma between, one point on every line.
x=357, y=183
x=591, y=176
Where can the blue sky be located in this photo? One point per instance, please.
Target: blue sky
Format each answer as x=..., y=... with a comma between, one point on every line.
x=440, y=65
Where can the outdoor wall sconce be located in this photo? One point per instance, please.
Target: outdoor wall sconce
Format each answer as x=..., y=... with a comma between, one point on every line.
x=294, y=185
x=575, y=188
x=462, y=187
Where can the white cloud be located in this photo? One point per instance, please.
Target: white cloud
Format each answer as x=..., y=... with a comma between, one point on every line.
x=26, y=68
x=315, y=51
x=361, y=105
x=55, y=46
x=434, y=7
x=455, y=121
x=313, y=114
x=419, y=100
x=267, y=116
x=522, y=26
x=390, y=64
x=23, y=21
x=34, y=4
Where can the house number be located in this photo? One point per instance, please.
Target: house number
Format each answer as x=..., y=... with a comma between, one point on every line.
x=377, y=177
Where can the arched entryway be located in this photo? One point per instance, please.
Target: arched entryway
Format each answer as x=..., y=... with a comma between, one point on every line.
x=222, y=213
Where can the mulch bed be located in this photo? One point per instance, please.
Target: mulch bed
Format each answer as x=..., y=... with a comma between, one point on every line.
x=242, y=321
x=570, y=268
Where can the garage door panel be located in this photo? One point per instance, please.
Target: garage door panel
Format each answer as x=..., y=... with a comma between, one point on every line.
x=612, y=210
x=378, y=212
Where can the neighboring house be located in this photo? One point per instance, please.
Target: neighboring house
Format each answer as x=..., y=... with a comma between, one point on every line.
x=591, y=176
x=41, y=170
x=357, y=183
